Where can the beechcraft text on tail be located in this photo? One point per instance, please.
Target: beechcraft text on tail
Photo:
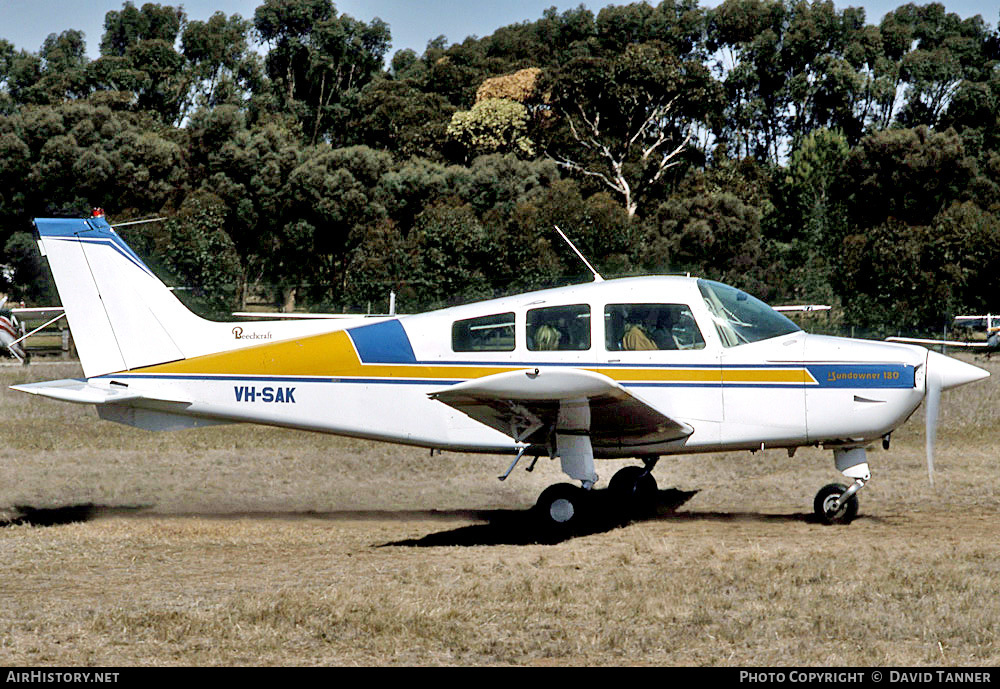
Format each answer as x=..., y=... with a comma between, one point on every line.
x=640, y=368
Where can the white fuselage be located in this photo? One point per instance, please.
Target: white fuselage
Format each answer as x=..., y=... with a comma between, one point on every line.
x=791, y=390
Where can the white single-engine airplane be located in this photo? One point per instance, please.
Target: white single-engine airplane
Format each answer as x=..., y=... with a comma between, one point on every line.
x=988, y=323
x=632, y=367
x=11, y=333
x=12, y=330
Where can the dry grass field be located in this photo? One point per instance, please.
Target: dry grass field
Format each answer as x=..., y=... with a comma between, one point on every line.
x=240, y=545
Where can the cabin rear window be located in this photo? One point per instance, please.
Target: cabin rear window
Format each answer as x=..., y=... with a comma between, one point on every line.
x=559, y=328
x=484, y=334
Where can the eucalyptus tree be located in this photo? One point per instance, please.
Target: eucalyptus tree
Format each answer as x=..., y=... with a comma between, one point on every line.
x=915, y=229
x=791, y=67
x=222, y=65
x=139, y=57
x=398, y=115
x=318, y=61
x=631, y=108
x=936, y=52
x=626, y=120
x=56, y=73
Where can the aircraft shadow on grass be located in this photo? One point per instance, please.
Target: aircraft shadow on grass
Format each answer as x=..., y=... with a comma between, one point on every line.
x=64, y=514
x=498, y=527
x=520, y=527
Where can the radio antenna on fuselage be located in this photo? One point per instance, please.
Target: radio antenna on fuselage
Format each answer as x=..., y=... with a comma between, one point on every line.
x=597, y=276
x=137, y=222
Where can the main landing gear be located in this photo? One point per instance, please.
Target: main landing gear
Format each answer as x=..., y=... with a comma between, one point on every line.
x=836, y=503
x=632, y=492
x=563, y=508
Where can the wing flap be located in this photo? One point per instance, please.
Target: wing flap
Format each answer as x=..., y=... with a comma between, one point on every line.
x=525, y=405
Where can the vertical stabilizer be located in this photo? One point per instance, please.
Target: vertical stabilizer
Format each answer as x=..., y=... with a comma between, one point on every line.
x=121, y=315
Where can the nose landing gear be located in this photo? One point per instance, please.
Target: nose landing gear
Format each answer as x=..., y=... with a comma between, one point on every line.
x=833, y=505
x=836, y=503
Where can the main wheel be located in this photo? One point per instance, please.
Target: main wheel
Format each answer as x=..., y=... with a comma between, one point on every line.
x=825, y=499
x=562, y=508
x=633, y=491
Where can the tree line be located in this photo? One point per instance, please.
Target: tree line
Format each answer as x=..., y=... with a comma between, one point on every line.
x=788, y=148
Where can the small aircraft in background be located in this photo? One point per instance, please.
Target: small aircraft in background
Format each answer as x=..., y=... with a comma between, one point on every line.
x=11, y=331
x=990, y=323
x=12, y=326
x=639, y=367
x=805, y=308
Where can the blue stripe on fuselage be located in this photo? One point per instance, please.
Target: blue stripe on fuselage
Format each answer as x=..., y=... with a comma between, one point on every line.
x=863, y=375
x=383, y=343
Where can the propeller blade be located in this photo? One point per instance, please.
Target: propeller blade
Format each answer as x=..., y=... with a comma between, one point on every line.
x=943, y=373
x=933, y=405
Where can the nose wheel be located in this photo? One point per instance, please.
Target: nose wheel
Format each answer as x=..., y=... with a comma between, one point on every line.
x=836, y=504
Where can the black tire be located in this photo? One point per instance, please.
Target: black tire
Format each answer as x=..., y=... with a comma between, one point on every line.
x=562, y=508
x=633, y=491
x=822, y=505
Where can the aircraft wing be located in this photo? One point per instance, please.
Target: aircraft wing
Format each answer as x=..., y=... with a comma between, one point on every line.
x=525, y=405
x=38, y=313
x=949, y=343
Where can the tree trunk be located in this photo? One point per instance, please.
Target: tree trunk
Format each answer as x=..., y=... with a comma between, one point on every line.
x=288, y=299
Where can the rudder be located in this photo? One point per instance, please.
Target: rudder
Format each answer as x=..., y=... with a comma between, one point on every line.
x=121, y=315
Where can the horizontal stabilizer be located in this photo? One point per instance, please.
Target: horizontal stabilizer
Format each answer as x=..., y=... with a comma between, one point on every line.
x=83, y=392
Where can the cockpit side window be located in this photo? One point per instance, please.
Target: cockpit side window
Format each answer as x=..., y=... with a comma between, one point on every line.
x=741, y=319
x=560, y=328
x=648, y=327
x=484, y=334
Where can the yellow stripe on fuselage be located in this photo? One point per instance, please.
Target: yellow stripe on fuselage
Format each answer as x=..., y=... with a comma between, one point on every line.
x=316, y=355
x=333, y=355
x=799, y=376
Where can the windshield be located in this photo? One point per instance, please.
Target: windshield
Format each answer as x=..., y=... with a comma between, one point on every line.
x=740, y=318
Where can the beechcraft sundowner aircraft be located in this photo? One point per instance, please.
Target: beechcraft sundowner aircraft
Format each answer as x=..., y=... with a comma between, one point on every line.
x=625, y=368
